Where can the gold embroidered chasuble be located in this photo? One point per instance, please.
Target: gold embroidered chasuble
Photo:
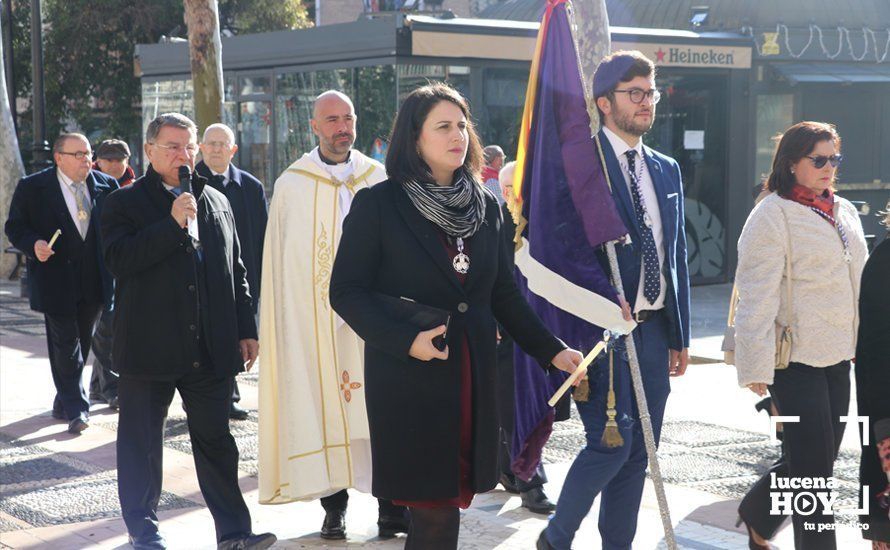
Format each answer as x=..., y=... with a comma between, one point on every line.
x=313, y=428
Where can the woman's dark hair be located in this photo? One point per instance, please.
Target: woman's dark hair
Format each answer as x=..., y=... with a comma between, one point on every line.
x=403, y=162
x=796, y=143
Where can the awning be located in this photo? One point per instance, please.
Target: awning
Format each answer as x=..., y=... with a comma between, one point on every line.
x=845, y=73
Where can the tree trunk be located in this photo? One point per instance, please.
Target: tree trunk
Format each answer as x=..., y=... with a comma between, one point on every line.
x=205, y=52
x=11, y=167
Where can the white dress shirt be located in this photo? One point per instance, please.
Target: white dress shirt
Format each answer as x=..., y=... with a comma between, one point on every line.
x=650, y=198
x=66, y=184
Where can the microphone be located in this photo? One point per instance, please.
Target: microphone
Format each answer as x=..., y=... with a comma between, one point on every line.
x=185, y=179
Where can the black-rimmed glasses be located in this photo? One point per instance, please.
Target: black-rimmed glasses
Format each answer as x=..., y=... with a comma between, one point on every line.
x=819, y=161
x=637, y=95
x=79, y=155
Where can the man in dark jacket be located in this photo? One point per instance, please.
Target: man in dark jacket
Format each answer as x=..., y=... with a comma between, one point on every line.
x=248, y=200
x=66, y=276
x=183, y=321
x=112, y=157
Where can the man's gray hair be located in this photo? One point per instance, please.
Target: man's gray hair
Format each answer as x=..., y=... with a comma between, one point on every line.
x=492, y=152
x=175, y=120
x=60, y=142
x=219, y=126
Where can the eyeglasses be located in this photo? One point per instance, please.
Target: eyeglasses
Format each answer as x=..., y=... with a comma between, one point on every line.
x=637, y=95
x=173, y=148
x=820, y=160
x=218, y=144
x=79, y=155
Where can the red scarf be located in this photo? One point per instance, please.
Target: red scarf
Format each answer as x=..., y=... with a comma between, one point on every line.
x=804, y=195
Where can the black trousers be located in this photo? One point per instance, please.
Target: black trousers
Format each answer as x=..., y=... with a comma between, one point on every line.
x=339, y=501
x=68, y=342
x=820, y=396
x=143, y=411
x=103, y=381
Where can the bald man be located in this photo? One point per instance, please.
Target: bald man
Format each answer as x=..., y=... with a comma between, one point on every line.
x=314, y=440
x=248, y=199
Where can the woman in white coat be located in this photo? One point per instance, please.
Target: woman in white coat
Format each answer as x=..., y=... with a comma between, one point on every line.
x=801, y=255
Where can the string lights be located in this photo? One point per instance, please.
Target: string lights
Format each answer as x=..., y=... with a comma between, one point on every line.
x=870, y=43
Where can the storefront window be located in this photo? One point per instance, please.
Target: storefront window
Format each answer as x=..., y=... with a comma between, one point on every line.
x=412, y=77
x=690, y=126
x=500, y=115
x=375, y=105
x=775, y=113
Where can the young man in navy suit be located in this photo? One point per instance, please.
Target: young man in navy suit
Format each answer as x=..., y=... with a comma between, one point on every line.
x=648, y=191
x=68, y=282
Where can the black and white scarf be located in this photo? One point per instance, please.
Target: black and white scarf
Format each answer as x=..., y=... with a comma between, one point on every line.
x=458, y=209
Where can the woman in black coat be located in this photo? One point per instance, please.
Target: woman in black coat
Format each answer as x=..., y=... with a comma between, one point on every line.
x=432, y=234
x=873, y=389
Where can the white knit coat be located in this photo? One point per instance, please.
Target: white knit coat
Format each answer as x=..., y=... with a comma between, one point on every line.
x=823, y=312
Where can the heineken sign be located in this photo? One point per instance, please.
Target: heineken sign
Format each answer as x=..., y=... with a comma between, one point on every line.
x=675, y=55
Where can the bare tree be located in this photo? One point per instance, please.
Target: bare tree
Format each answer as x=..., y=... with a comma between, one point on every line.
x=205, y=52
x=11, y=167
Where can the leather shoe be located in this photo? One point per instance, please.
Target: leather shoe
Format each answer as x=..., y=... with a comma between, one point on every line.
x=248, y=542
x=114, y=404
x=334, y=526
x=543, y=543
x=79, y=424
x=509, y=484
x=236, y=412
x=390, y=526
x=536, y=501
x=153, y=541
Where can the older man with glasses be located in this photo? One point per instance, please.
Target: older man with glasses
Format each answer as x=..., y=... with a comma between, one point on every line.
x=248, y=199
x=184, y=321
x=53, y=219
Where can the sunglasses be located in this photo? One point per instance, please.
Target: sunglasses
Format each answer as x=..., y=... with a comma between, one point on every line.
x=821, y=160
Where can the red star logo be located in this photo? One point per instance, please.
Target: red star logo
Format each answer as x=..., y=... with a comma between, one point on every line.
x=660, y=56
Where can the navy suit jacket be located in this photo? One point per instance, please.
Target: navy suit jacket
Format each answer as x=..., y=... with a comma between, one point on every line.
x=665, y=174
x=37, y=209
x=250, y=224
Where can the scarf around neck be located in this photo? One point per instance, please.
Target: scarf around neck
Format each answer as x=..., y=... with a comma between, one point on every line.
x=458, y=209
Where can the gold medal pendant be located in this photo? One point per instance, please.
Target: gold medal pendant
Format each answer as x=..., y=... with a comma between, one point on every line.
x=82, y=215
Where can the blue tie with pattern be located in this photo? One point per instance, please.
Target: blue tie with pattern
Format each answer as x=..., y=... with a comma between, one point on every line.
x=651, y=279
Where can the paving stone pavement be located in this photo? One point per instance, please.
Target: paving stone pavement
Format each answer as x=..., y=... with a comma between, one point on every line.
x=59, y=491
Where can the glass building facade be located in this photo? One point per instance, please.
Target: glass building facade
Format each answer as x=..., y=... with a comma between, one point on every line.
x=271, y=111
x=271, y=82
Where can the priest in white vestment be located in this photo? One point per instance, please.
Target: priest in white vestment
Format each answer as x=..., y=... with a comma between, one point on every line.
x=313, y=425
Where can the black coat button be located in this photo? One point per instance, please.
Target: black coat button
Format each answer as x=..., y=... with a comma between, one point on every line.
x=462, y=307
x=196, y=364
x=191, y=288
x=193, y=328
x=189, y=249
